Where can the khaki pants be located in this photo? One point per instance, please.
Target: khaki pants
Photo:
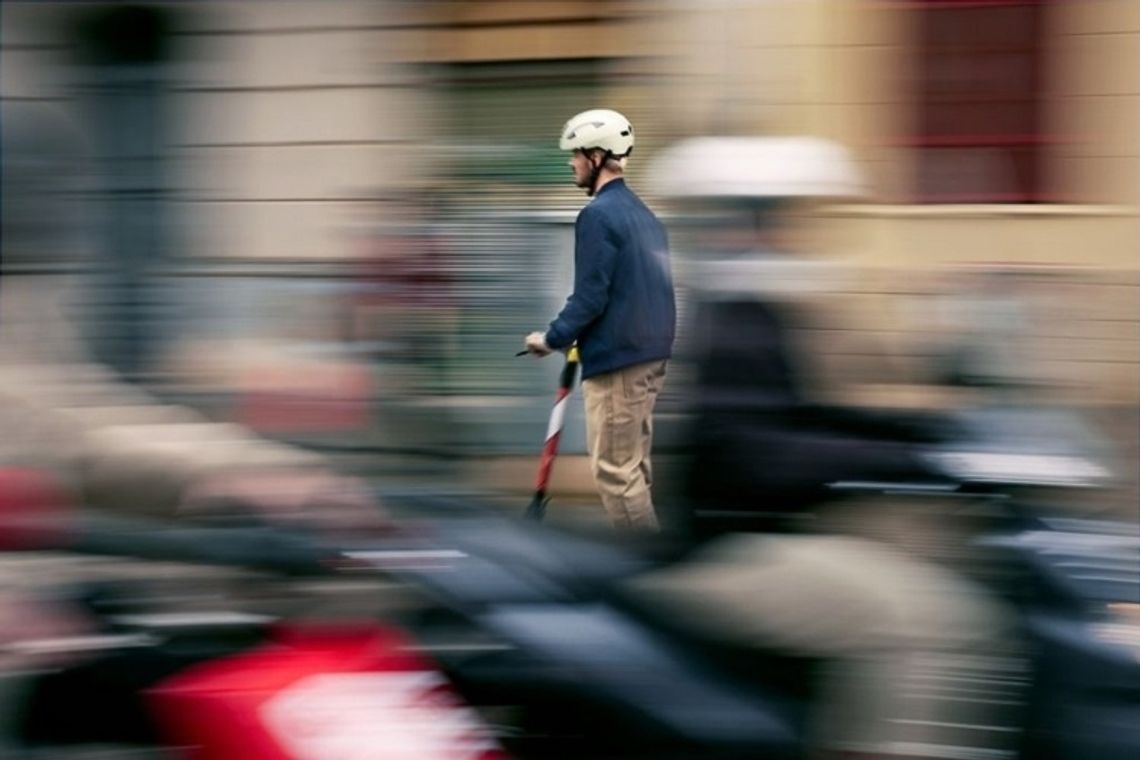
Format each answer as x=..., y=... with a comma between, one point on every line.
x=619, y=433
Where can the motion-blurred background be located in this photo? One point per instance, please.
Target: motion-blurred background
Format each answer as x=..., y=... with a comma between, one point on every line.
x=333, y=221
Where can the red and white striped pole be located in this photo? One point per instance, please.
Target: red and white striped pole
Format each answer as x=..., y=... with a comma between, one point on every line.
x=537, y=508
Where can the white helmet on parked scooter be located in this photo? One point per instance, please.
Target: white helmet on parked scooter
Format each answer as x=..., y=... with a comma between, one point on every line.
x=598, y=128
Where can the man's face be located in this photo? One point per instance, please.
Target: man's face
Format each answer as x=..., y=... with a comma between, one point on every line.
x=580, y=163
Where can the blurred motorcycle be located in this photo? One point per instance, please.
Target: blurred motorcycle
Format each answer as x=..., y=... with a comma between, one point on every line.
x=175, y=659
x=523, y=637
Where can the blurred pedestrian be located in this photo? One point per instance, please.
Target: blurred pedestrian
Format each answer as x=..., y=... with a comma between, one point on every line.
x=113, y=444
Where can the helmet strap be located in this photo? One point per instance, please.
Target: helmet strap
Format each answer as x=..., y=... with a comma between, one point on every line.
x=596, y=172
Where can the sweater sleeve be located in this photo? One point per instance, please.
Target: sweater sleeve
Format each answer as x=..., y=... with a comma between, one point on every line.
x=594, y=257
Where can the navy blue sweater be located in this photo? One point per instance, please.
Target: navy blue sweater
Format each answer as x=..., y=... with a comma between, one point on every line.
x=622, y=310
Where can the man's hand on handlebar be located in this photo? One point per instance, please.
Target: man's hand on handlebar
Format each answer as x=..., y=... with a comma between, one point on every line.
x=536, y=344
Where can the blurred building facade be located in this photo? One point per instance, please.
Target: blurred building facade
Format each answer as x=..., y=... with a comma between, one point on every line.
x=996, y=134
x=1001, y=134
x=1001, y=141
x=281, y=140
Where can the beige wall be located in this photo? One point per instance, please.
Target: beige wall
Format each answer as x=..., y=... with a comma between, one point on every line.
x=838, y=69
x=286, y=117
x=1096, y=100
x=34, y=51
x=287, y=120
x=1092, y=244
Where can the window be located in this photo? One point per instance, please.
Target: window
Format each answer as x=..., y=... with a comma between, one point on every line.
x=978, y=82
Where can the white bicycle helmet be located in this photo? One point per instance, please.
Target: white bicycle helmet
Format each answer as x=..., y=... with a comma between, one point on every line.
x=598, y=128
